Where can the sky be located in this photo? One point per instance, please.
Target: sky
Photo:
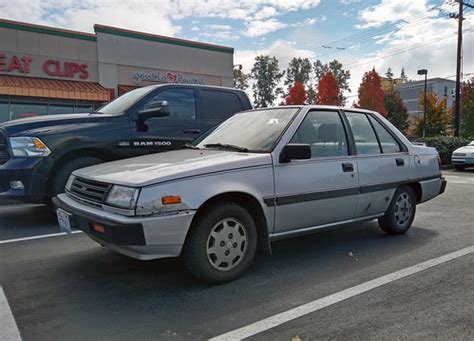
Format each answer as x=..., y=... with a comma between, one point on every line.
x=361, y=34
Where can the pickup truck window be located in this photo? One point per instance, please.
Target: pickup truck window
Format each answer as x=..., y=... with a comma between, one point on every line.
x=324, y=132
x=256, y=130
x=182, y=104
x=124, y=102
x=365, y=139
x=220, y=104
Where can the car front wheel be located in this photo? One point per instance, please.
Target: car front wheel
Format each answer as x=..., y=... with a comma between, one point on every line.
x=221, y=244
x=401, y=212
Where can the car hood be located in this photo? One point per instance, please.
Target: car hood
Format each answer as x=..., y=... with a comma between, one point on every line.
x=465, y=149
x=41, y=124
x=151, y=169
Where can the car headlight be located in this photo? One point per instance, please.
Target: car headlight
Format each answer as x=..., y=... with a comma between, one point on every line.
x=69, y=182
x=28, y=146
x=122, y=196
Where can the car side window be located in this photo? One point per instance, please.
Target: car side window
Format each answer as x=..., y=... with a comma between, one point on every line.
x=181, y=102
x=388, y=143
x=324, y=132
x=220, y=104
x=364, y=136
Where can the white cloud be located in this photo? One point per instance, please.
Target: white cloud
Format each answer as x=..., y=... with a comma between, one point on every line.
x=219, y=27
x=195, y=29
x=265, y=12
x=257, y=28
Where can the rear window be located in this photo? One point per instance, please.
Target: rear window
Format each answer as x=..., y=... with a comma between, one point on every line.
x=220, y=104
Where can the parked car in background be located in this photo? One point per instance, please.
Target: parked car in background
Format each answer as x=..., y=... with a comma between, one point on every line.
x=261, y=175
x=463, y=157
x=37, y=155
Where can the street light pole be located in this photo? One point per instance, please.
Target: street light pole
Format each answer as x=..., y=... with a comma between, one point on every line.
x=424, y=72
x=457, y=103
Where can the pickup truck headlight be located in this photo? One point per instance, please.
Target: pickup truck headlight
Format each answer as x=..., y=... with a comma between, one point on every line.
x=69, y=182
x=28, y=147
x=122, y=196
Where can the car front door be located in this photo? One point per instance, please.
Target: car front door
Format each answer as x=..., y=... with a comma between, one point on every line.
x=182, y=125
x=323, y=189
x=383, y=162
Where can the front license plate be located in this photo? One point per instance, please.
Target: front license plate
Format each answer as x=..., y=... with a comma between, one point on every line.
x=64, y=220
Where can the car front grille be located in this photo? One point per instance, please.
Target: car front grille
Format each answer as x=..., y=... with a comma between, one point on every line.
x=459, y=154
x=4, y=154
x=90, y=190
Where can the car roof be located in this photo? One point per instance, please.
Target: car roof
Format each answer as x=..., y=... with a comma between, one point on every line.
x=319, y=106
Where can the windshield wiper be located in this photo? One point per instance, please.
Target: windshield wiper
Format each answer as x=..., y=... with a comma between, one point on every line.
x=226, y=146
x=189, y=146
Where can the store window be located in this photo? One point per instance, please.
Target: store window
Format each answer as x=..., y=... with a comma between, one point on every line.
x=83, y=109
x=4, y=113
x=24, y=110
x=60, y=109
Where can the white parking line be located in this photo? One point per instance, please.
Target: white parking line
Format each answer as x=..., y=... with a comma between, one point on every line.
x=8, y=328
x=8, y=241
x=311, y=307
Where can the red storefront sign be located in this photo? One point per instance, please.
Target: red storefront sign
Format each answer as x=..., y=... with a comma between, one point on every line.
x=51, y=67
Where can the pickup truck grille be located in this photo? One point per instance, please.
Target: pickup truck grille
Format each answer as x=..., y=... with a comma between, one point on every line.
x=90, y=190
x=4, y=154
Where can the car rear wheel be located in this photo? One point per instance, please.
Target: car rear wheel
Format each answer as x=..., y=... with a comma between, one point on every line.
x=401, y=212
x=460, y=167
x=221, y=244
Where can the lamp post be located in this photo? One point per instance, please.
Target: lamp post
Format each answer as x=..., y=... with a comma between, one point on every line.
x=424, y=72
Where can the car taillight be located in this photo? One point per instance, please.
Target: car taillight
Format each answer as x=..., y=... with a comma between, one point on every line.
x=440, y=163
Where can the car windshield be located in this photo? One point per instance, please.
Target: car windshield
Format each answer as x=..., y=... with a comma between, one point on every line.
x=471, y=144
x=255, y=130
x=122, y=103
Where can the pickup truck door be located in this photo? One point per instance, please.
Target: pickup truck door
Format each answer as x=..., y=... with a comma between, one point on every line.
x=182, y=126
x=321, y=190
x=382, y=161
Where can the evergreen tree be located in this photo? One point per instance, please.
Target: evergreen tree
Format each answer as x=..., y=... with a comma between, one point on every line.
x=467, y=109
x=266, y=74
x=240, y=79
x=397, y=112
x=403, y=76
x=389, y=73
x=299, y=70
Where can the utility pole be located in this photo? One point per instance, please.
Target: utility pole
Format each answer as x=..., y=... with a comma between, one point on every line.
x=457, y=104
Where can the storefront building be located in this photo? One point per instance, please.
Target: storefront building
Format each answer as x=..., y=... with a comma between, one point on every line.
x=45, y=70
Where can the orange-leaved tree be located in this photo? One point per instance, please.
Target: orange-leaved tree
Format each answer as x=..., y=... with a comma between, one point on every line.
x=328, y=90
x=297, y=94
x=371, y=93
x=438, y=117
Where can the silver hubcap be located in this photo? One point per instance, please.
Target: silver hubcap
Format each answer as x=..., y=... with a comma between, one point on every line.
x=403, y=209
x=226, y=244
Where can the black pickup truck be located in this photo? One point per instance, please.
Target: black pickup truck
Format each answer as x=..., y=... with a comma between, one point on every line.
x=37, y=155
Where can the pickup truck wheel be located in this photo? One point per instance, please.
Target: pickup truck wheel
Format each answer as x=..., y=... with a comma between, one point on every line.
x=60, y=177
x=460, y=167
x=401, y=212
x=221, y=244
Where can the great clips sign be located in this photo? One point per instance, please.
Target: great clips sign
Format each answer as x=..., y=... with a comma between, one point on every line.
x=50, y=67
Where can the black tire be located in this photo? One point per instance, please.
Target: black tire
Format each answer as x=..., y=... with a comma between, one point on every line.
x=460, y=167
x=58, y=182
x=401, y=212
x=195, y=251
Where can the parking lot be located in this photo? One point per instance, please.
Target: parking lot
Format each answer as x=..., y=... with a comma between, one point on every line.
x=68, y=287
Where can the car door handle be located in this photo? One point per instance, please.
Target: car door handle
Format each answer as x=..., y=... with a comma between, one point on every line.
x=347, y=167
x=400, y=162
x=191, y=131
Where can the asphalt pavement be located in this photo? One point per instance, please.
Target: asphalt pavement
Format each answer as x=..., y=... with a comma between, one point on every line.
x=69, y=288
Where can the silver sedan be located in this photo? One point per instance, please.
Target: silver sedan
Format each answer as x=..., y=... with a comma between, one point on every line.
x=260, y=176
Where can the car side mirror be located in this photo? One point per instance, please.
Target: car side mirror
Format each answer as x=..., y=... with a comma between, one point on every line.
x=295, y=151
x=155, y=109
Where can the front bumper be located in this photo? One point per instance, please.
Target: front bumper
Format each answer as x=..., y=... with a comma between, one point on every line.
x=142, y=238
x=26, y=171
x=462, y=161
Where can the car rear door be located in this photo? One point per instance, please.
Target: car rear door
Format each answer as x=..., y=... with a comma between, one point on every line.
x=383, y=162
x=218, y=105
x=321, y=190
x=172, y=132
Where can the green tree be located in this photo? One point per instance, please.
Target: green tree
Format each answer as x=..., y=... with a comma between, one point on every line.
x=299, y=70
x=240, y=79
x=397, y=112
x=438, y=118
x=389, y=73
x=467, y=109
x=403, y=75
x=336, y=68
x=267, y=75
